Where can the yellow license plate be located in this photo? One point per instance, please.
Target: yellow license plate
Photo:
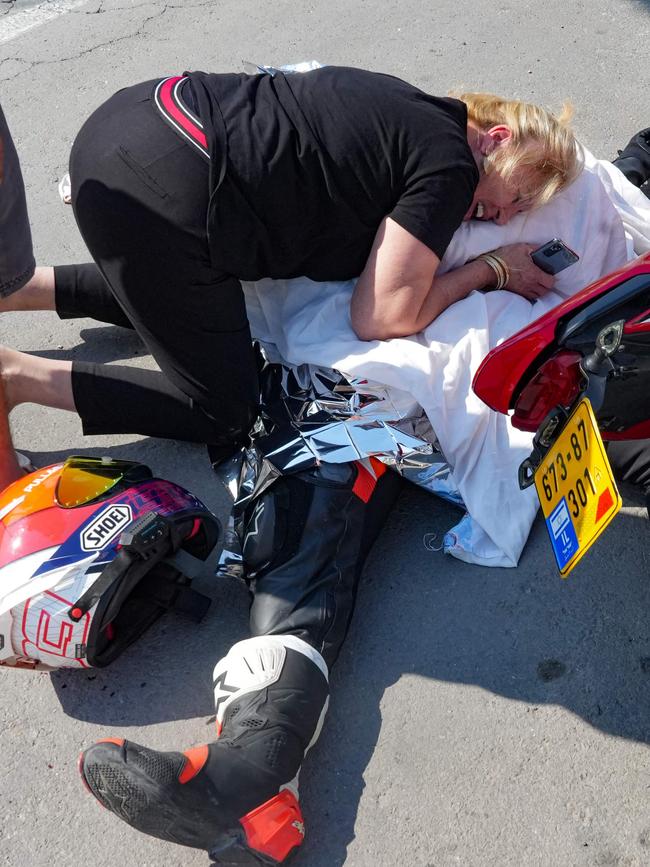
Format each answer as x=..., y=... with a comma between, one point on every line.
x=576, y=488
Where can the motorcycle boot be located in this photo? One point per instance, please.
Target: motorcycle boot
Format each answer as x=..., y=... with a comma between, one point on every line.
x=237, y=797
x=634, y=159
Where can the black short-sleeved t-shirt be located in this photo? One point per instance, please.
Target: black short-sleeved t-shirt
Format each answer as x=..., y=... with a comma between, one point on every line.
x=306, y=166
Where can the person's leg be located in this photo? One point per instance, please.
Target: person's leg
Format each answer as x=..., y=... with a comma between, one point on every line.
x=634, y=159
x=31, y=379
x=9, y=468
x=151, y=246
x=100, y=392
x=81, y=291
x=304, y=546
x=28, y=379
x=140, y=196
x=72, y=291
x=630, y=460
x=238, y=797
x=16, y=255
x=36, y=294
x=234, y=797
x=16, y=269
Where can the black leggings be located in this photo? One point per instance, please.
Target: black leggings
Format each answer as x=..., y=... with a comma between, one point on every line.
x=140, y=197
x=116, y=398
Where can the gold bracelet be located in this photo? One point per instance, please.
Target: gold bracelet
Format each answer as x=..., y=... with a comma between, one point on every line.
x=489, y=260
x=500, y=268
x=501, y=271
x=505, y=269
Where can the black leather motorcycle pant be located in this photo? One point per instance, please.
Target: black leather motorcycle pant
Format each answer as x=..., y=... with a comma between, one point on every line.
x=305, y=541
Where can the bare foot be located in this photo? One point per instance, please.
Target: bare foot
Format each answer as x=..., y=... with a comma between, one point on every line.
x=9, y=468
x=9, y=364
x=29, y=378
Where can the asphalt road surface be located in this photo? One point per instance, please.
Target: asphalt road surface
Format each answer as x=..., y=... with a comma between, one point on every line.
x=478, y=716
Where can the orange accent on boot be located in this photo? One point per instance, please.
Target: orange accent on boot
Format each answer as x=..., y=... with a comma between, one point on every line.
x=276, y=827
x=219, y=727
x=365, y=482
x=196, y=758
x=118, y=741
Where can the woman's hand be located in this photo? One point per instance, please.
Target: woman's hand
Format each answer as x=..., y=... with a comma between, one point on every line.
x=526, y=279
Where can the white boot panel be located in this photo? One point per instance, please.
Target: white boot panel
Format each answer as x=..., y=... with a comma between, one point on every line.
x=253, y=664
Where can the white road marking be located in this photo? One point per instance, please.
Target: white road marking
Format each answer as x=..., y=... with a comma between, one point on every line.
x=16, y=23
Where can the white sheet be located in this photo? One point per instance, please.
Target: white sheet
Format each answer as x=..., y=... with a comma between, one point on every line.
x=601, y=216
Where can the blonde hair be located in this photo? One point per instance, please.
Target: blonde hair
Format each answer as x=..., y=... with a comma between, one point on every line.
x=542, y=144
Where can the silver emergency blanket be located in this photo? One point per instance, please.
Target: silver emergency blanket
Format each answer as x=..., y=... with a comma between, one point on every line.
x=312, y=416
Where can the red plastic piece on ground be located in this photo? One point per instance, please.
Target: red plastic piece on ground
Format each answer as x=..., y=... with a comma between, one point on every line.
x=276, y=827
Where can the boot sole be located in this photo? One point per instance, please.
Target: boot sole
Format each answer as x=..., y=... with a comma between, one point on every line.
x=130, y=795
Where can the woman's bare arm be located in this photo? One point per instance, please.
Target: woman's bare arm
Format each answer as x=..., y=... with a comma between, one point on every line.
x=398, y=292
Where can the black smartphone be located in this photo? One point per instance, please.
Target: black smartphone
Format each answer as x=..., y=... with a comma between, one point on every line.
x=554, y=256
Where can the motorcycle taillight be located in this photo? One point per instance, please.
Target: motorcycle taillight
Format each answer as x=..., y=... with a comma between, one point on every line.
x=557, y=383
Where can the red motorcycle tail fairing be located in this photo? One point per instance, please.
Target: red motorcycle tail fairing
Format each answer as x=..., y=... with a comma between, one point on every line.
x=541, y=366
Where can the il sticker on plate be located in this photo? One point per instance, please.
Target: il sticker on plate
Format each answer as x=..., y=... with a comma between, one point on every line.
x=562, y=532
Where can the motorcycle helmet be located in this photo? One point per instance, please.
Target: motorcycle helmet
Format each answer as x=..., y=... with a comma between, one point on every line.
x=92, y=552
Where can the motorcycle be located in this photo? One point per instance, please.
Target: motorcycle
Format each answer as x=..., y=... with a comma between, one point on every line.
x=577, y=377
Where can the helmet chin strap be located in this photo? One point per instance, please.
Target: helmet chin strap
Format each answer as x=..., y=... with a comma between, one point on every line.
x=147, y=542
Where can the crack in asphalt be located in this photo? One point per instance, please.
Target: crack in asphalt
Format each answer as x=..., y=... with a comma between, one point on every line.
x=131, y=6
x=32, y=64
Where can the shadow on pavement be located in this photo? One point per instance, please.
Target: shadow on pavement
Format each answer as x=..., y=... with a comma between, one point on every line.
x=524, y=634
x=100, y=344
x=167, y=675
x=583, y=644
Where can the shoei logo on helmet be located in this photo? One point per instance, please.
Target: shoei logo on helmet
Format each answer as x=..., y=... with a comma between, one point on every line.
x=106, y=527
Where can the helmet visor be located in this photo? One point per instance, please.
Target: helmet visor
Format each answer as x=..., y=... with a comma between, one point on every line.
x=84, y=479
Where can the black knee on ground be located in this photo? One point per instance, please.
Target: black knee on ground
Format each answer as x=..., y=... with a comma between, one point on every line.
x=634, y=159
